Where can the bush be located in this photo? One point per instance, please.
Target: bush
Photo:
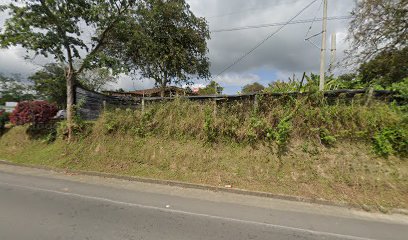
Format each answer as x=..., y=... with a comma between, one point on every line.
x=273, y=122
x=33, y=112
x=390, y=141
x=4, y=118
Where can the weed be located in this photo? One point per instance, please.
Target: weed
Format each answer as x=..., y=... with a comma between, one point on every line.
x=210, y=130
x=272, y=121
x=390, y=141
x=326, y=138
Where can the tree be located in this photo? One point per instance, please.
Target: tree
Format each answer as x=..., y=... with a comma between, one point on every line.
x=56, y=28
x=13, y=89
x=386, y=68
x=378, y=26
x=50, y=83
x=212, y=88
x=168, y=43
x=253, y=88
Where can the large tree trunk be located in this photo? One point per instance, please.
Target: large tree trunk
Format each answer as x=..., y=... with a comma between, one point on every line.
x=163, y=86
x=163, y=90
x=70, y=101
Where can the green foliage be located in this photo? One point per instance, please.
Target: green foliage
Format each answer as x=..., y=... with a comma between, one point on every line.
x=80, y=127
x=282, y=134
x=210, y=130
x=377, y=26
x=50, y=83
x=168, y=42
x=275, y=122
x=41, y=26
x=57, y=29
x=253, y=88
x=393, y=140
x=4, y=118
x=284, y=87
x=127, y=121
x=308, y=83
x=212, y=88
x=402, y=89
x=387, y=68
x=326, y=138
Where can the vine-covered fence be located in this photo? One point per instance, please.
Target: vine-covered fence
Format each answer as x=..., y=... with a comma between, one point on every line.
x=91, y=103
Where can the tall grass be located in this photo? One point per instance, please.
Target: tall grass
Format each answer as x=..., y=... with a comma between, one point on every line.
x=270, y=121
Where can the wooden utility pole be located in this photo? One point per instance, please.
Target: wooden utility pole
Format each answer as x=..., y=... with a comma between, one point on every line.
x=333, y=52
x=323, y=49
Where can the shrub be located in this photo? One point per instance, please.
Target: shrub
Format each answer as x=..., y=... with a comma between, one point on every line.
x=4, y=118
x=390, y=141
x=33, y=112
x=273, y=121
x=326, y=138
x=210, y=130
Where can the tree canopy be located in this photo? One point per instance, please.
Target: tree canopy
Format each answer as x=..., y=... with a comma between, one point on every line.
x=253, y=88
x=50, y=84
x=378, y=26
x=386, y=68
x=168, y=42
x=212, y=88
x=61, y=29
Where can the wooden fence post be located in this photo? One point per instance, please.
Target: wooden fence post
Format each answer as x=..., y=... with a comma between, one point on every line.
x=370, y=96
x=215, y=108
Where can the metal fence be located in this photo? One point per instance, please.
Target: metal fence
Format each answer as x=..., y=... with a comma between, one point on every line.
x=91, y=103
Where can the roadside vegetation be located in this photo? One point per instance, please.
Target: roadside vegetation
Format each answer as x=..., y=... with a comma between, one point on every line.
x=342, y=150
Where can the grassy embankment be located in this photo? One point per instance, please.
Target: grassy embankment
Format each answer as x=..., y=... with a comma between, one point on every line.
x=343, y=151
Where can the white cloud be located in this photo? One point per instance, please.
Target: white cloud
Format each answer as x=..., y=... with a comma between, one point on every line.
x=197, y=85
x=235, y=79
x=12, y=61
x=130, y=83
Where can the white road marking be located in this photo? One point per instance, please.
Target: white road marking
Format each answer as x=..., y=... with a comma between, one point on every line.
x=314, y=232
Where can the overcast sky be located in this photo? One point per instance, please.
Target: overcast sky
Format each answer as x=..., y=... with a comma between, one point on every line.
x=281, y=56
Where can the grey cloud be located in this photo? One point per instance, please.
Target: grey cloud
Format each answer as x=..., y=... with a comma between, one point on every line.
x=285, y=53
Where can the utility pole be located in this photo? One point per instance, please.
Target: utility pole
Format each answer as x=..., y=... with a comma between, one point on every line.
x=333, y=52
x=323, y=49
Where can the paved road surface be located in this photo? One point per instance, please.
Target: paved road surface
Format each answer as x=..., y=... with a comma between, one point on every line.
x=38, y=204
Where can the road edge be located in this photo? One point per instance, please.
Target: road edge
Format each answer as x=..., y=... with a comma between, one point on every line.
x=205, y=187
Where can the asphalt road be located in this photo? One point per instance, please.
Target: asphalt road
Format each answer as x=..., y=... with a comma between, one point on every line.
x=37, y=204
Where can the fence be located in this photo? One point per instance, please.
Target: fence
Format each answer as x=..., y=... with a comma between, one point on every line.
x=91, y=104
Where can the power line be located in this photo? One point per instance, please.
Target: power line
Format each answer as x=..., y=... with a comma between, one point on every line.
x=311, y=25
x=279, y=24
x=315, y=35
x=307, y=39
x=263, y=41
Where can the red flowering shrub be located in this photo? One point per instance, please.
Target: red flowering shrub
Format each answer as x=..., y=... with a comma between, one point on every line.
x=33, y=112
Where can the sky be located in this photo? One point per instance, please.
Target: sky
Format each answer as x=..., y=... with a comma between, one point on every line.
x=283, y=55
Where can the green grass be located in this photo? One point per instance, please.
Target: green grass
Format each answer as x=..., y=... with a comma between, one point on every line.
x=348, y=173
x=304, y=147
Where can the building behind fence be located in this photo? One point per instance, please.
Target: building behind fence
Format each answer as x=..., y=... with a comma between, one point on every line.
x=91, y=104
